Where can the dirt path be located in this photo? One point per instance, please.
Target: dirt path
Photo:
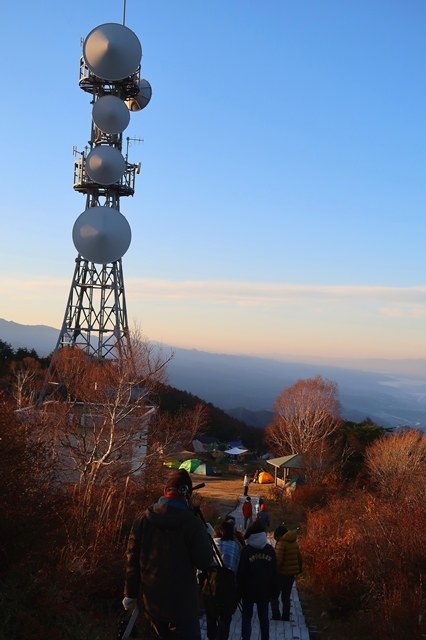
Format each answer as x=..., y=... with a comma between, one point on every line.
x=224, y=492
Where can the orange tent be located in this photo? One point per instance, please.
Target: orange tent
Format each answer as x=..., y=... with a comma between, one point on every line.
x=265, y=478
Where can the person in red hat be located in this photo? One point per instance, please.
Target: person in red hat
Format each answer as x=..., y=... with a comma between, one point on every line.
x=166, y=546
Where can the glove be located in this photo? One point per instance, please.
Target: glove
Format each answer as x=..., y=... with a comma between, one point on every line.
x=210, y=529
x=129, y=603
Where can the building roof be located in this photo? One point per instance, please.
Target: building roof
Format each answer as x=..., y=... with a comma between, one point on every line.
x=294, y=461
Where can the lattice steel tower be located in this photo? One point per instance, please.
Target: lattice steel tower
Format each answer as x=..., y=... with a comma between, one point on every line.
x=96, y=316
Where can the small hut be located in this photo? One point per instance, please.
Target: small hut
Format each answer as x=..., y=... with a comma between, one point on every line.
x=283, y=465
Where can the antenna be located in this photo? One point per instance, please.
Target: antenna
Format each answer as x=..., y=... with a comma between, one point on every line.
x=112, y=52
x=141, y=98
x=96, y=316
x=101, y=235
x=129, y=140
x=110, y=114
x=105, y=165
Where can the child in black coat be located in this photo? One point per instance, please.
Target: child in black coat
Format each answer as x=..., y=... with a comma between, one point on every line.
x=256, y=580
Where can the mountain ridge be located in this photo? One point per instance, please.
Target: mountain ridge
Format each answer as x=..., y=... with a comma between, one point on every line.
x=248, y=385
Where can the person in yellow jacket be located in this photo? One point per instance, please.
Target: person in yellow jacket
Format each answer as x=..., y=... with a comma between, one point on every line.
x=289, y=565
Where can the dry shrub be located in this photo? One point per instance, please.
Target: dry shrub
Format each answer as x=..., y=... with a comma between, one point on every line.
x=310, y=496
x=37, y=599
x=293, y=505
x=396, y=614
x=32, y=507
x=331, y=557
x=362, y=551
x=397, y=464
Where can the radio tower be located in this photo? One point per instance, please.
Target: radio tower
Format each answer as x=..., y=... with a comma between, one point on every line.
x=96, y=316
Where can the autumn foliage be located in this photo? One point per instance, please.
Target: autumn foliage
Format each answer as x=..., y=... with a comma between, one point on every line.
x=361, y=512
x=365, y=550
x=362, y=519
x=75, y=470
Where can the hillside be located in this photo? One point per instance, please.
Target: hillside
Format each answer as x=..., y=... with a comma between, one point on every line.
x=246, y=386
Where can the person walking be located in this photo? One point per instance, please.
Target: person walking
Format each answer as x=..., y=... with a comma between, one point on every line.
x=256, y=580
x=289, y=564
x=239, y=537
x=166, y=546
x=246, y=484
x=220, y=607
x=247, y=510
x=263, y=516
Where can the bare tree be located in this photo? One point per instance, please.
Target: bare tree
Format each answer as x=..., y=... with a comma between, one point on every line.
x=304, y=416
x=98, y=423
x=26, y=377
x=178, y=430
x=109, y=405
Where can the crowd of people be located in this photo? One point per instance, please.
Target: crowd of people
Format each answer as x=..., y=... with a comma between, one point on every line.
x=178, y=565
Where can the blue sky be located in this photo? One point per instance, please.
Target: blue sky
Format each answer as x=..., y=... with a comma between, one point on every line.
x=280, y=210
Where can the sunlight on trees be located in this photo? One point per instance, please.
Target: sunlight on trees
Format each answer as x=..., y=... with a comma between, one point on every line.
x=97, y=422
x=102, y=432
x=305, y=414
x=398, y=463
x=108, y=406
x=27, y=375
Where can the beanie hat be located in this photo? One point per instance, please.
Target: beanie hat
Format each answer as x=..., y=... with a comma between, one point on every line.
x=179, y=481
x=256, y=527
x=263, y=507
x=280, y=531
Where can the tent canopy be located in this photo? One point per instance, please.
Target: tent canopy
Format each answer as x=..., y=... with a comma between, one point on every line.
x=235, y=451
x=190, y=465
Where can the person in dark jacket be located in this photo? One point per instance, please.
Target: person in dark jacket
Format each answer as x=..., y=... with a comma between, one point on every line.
x=220, y=607
x=289, y=564
x=256, y=580
x=263, y=516
x=166, y=546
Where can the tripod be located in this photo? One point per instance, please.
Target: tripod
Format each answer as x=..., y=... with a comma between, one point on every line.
x=197, y=510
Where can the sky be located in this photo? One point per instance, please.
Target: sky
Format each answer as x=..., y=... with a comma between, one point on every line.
x=280, y=209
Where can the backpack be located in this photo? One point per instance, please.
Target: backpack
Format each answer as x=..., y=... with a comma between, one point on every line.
x=219, y=591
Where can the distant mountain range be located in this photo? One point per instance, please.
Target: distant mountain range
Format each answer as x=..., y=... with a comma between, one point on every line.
x=247, y=386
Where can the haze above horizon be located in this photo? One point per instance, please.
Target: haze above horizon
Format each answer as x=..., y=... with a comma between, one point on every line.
x=280, y=207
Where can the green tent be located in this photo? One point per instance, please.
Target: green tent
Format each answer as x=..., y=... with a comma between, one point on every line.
x=190, y=465
x=204, y=469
